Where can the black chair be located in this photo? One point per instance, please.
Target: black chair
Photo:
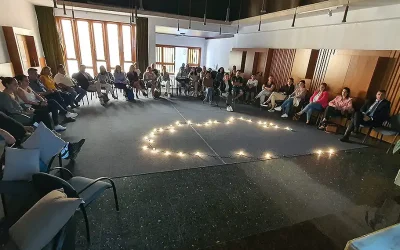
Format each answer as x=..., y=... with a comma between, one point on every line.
x=75, y=187
x=389, y=128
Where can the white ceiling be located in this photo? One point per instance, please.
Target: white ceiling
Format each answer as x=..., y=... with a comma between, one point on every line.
x=191, y=33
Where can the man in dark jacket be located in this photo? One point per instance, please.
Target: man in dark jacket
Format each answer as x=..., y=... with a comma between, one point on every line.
x=373, y=113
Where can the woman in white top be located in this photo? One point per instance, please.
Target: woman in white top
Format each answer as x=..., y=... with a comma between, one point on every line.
x=29, y=98
x=251, y=88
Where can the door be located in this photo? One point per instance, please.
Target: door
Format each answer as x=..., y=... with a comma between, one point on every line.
x=180, y=57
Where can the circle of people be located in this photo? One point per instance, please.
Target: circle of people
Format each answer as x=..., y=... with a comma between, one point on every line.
x=31, y=98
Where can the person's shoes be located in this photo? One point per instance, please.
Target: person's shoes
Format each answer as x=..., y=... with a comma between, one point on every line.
x=322, y=127
x=145, y=94
x=296, y=117
x=229, y=108
x=59, y=128
x=115, y=97
x=77, y=104
x=67, y=120
x=344, y=139
x=284, y=116
x=71, y=115
x=271, y=110
x=278, y=108
x=264, y=105
x=74, y=149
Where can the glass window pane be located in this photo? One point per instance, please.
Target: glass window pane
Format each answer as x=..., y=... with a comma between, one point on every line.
x=68, y=38
x=98, y=40
x=126, y=66
x=170, y=68
x=158, y=54
x=113, y=46
x=169, y=55
x=72, y=67
x=127, y=40
x=84, y=43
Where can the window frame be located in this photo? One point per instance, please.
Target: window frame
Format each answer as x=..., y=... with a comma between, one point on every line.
x=162, y=63
x=95, y=61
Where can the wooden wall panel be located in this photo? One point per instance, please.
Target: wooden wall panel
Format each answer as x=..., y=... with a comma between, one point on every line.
x=249, y=64
x=391, y=82
x=235, y=58
x=336, y=72
x=262, y=65
x=359, y=75
x=281, y=65
x=304, y=64
x=321, y=68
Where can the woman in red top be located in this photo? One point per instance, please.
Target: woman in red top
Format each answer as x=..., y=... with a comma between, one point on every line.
x=318, y=101
x=339, y=106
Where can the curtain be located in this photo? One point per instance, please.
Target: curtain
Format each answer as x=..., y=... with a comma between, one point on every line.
x=142, y=43
x=51, y=42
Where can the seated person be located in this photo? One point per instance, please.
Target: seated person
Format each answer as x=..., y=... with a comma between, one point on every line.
x=120, y=80
x=251, y=88
x=226, y=91
x=36, y=85
x=281, y=95
x=341, y=105
x=50, y=84
x=65, y=83
x=28, y=116
x=150, y=78
x=85, y=80
x=318, y=101
x=20, y=133
x=104, y=80
x=373, y=113
x=155, y=71
x=233, y=72
x=208, y=84
x=294, y=99
x=267, y=90
x=164, y=77
x=137, y=70
x=133, y=78
x=183, y=78
x=29, y=98
x=194, y=80
x=203, y=73
x=237, y=82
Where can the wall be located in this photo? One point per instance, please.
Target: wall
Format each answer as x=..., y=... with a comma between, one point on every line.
x=24, y=16
x=184, y=41
x=218, y=52
x=370, y=29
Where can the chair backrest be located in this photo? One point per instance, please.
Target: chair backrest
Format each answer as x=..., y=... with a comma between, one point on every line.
x=45, y=183
x=395, y=122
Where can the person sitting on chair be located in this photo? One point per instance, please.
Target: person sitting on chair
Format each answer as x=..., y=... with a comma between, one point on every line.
x=137, y=70
x=120, y=80
x=28, y=116
x=237, y=82
x=373, y=114
x=294, y=99
x=194, y=79
x=203, y=73
x=134, y=81
x=85, y=80
x=318, y=101
x=150, y=78
x=233, y=72
x=284, y=91
x=267, y=90
x=164, y=77
x=65, y=83
x=251, y=87
x=208, y=84
x=104, y=80
x=48, y=81
x=16, y=133
x=341, y=105
x=29, y=98
x=226, y=91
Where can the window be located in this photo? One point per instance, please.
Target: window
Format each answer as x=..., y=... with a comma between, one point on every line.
x=165, y=56
x=96, y=43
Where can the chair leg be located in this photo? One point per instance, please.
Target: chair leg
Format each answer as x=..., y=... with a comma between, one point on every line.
x=394, y=140
x=86, y=222
x=115, y=195
x=366, y=136
x=3, y=202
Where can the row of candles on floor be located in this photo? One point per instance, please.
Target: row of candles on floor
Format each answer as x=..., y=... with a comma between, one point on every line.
x=172, y=129
x=241, y=153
